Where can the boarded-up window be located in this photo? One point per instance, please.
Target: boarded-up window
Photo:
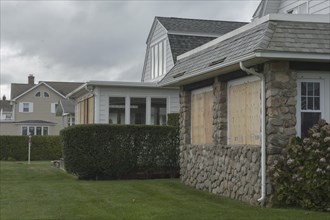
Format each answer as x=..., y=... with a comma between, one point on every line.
x=202, y=116
x=244, y=112
x=86, y=111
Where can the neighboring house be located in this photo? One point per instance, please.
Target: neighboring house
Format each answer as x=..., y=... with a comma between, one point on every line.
x=34, y=108
x=144, y=102
x=6, y=113
x=66, y=110
x=245, y=94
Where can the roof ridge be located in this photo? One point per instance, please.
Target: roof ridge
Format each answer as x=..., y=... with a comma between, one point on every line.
x=198, y=19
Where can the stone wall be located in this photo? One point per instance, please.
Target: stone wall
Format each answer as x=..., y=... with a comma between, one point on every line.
x=281, y=92
x=234, y=171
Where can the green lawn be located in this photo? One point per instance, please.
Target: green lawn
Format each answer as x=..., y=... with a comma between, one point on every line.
x=39, y=191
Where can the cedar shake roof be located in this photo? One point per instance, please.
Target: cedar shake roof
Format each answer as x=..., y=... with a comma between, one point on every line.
x=270, y=36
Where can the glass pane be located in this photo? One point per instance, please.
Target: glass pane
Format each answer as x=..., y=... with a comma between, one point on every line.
x=24, y=131
x=158, y=111
x=316, y=89
x=138, y=111
x=117, y=110
x=303, y=89
x=308, y=119
x=45, y=130
x=38, y=131
x=31, y=130
x=303, y=103
x=46, y=94
x=310, y=103
x=317, y=103
x=310, y=89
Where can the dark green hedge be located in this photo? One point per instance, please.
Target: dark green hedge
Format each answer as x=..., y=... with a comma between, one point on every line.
x=42, y=148
x=173, y=119
x=120, y=151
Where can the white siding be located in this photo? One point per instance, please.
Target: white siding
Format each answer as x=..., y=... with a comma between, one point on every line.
x=157, y=35
x=172, y=96
x=313, y=6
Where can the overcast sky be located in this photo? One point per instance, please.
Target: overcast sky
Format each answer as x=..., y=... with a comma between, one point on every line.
x=86, y=40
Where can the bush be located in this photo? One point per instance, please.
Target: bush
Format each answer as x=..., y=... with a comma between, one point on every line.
x=120, y=151
x=42, y=148
x=173, y=119
x=303, y=178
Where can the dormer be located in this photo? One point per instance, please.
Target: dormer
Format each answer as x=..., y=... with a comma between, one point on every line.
x=292, y=7
x=171, y=37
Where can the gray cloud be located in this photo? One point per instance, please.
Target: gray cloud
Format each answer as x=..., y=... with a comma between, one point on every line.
x=86, y=40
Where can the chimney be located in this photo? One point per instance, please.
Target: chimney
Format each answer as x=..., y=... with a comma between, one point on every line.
x=31, y=79
x=4, y=98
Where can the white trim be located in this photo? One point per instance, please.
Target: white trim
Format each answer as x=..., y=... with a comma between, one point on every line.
x=324, y=79
x=256, y=22
x=36, y=86
x=148, y=110
x=127, y=110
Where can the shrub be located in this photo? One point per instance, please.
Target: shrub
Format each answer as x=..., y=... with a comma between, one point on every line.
x=42, y=148
x=173, y=119
x=119, y=151
x=303, y=178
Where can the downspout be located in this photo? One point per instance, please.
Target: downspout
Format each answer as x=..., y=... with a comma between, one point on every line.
x=263, y=129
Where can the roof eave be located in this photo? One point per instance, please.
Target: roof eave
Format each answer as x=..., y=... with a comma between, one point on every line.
x=251, y=59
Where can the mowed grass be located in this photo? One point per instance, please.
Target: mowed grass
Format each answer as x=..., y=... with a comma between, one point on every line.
x=39, y=191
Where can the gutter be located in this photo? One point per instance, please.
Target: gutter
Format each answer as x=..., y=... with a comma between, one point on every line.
x=263, y=129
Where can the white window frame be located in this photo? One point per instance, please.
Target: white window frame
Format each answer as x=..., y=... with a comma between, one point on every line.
x=21, y=107
x=158, y=59
x=35, y=129
x=297, y=9
x=53, y=107
x=324, y=80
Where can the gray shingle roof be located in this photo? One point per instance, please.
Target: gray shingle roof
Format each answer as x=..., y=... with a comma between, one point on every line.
x=34, y=122
x=18, y=88
x=199, y=26
x=5, y=105
x=271, y=36
x=62, y=87
x=183, y=43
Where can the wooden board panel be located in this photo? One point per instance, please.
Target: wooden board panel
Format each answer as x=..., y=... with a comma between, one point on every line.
x=244, y=113
x=91, y=110
x=202, y=117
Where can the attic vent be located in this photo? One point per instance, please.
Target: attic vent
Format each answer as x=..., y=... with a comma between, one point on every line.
x=217, y=61
x=179, y=74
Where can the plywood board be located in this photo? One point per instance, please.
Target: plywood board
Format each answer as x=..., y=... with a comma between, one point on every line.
x=244, y=113
x=202, y=117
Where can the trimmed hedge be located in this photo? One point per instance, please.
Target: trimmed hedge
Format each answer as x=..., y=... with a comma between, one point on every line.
x=173, y=119
x=120, y=151
x=42, y=148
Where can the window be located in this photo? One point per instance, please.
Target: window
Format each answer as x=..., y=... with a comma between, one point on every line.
x=138, y=111
x=244, y=111
x=158, y=111
x=46, y=94
x=38, y=94
x=53, y=107
x=310, y=104
x=158, y=59
x=117, y=110
x=34, y=130
x=300, y=9
x=71, y=120
x=26, y=107
x=202, y=116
